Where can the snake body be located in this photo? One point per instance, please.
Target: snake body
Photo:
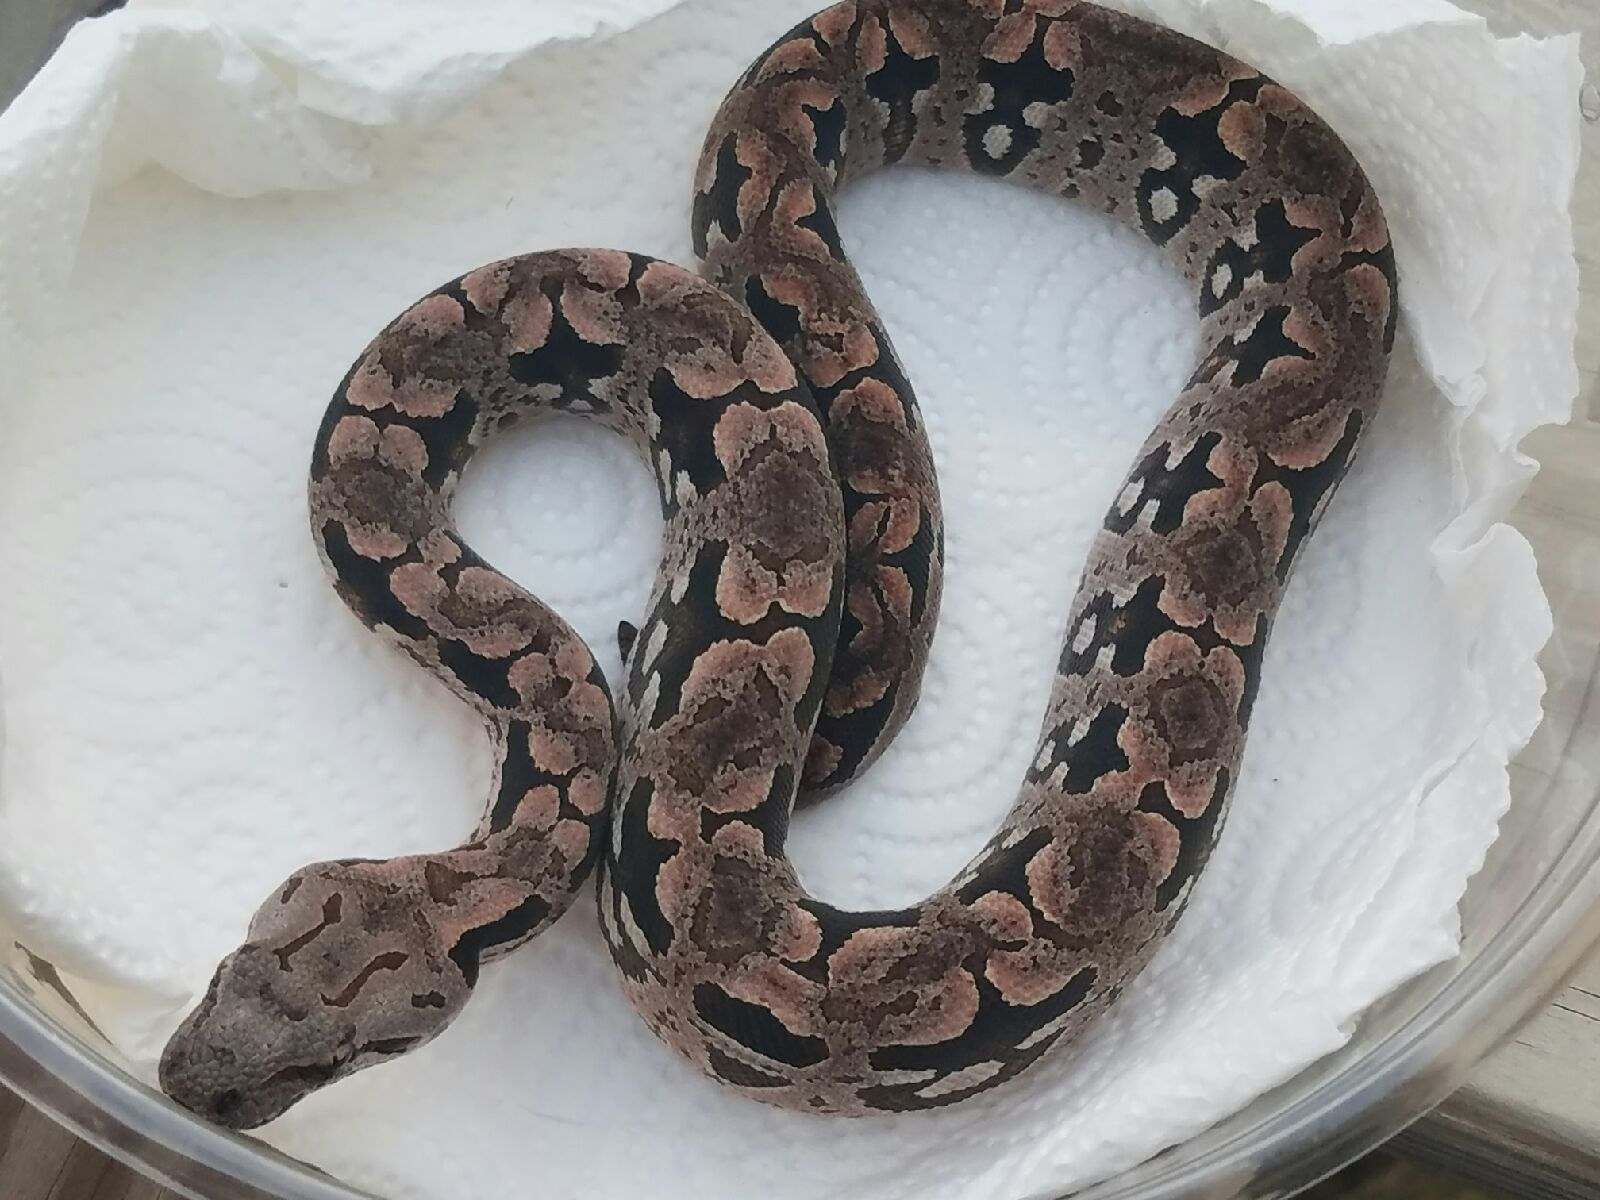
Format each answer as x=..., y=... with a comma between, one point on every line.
x=790, y=619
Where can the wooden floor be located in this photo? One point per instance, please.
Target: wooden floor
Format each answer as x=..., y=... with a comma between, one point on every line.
x=1387, y=1177
x=39, y=1160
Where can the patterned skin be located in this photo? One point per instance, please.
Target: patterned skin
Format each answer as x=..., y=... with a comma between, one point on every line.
x=791, y=616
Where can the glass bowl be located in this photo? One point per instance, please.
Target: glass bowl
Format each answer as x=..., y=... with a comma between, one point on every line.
x=1526, y=919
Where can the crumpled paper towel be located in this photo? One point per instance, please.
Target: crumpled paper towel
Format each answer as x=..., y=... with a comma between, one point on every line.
x=190, y=712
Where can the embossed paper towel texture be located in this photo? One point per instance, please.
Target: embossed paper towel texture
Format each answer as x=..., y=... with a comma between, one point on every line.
x=190, y=713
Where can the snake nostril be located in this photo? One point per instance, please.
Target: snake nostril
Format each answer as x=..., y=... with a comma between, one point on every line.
x=226, y=1104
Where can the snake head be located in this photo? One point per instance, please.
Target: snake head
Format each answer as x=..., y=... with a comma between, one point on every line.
x=340, y=971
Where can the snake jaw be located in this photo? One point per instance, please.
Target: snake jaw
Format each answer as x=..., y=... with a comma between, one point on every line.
x=320, y=991
x=236, y=1060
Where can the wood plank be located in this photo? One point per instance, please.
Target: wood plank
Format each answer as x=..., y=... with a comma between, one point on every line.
x=1529, y=1119
x=39, y=1160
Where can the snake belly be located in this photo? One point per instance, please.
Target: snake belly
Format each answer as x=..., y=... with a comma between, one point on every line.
x=1271, y=220
x=791, y=615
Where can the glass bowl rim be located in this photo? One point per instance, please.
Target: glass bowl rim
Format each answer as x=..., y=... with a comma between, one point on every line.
x=1362, y=1104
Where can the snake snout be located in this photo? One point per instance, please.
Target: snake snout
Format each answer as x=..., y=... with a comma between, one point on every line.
x=322, y=989
x=248, y=1052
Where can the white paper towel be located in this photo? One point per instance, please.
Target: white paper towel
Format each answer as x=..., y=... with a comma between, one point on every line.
x=190, y=713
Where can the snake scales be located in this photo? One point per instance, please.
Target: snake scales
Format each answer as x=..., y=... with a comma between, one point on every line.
x=799, y=583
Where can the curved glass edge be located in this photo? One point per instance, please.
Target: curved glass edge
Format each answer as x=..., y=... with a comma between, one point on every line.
x=99, y=1102
x=1335, y=1122
x=1331, y=1113
x=1407, y=1073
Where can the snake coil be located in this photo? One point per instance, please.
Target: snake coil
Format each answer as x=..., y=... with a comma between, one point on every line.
x=799, y=583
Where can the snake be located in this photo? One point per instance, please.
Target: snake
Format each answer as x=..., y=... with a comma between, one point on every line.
x=789, y=623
